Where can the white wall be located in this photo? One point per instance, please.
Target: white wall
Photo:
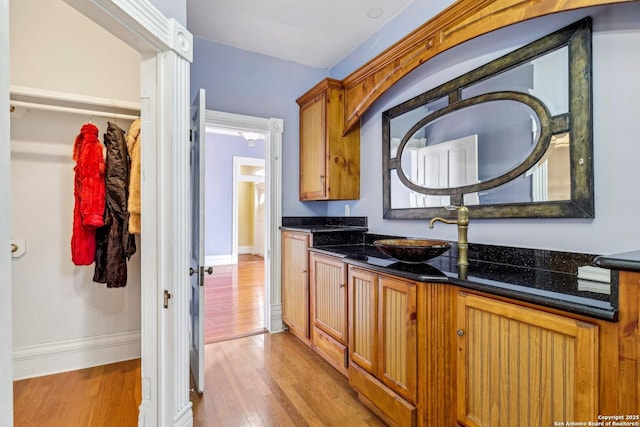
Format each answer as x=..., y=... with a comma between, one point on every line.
x=61, y=319
x=55, y=47
x=616, y=94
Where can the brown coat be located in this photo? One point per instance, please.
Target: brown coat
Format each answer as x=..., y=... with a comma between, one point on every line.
x=114, y=244
x=133, y=146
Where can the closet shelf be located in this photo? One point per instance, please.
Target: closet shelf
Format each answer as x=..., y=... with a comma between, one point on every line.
x=42, y=99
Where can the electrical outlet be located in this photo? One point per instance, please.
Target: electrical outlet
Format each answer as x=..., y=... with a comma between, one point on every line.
x=347, y=210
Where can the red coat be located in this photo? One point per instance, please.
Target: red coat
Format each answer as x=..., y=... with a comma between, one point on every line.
x=89, y=192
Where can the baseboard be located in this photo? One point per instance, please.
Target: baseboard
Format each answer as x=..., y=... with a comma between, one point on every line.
x=276, y=318
x=220, y=259
x=69, y=355
x=244, y=250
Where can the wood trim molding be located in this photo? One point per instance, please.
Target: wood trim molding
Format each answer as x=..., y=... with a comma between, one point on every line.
x=462, y=21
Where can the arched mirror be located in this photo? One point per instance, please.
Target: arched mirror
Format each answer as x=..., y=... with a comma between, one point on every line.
x=512, y=138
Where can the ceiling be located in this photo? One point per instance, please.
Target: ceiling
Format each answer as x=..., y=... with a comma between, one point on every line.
x=311, y=32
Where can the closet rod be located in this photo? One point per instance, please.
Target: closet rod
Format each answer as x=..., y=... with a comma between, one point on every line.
x=72, y=110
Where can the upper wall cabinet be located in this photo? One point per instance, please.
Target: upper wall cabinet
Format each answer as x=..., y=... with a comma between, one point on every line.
x=329, y=161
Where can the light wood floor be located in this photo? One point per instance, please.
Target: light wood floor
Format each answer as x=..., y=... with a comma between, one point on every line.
x=259, y=380
x=275, y=380
x=106, y=396
x=234, y=300
x=265, y=379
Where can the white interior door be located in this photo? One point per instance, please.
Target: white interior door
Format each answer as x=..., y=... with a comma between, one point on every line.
x=196, y=306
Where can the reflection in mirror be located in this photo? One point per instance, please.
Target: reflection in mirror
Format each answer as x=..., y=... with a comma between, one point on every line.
x=509, y=139
x=399, y=126
x=533, y=78
x=443, y=154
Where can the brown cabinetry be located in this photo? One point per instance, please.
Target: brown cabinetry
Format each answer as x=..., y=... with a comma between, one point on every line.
x=329, y=161
x=383, y=343
x=521, y=366
x=295, y=283
x=329, y=309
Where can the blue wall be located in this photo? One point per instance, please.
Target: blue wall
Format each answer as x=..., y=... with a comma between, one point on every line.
x=246, y=83
x=219, y=153
x=242, y=82
x=616, y=90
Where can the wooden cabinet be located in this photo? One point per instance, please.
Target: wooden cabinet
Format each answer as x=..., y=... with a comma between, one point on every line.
x=329, y=161
x=524, y=367
x=329, y=309
x=383, y=344
x=295, y=283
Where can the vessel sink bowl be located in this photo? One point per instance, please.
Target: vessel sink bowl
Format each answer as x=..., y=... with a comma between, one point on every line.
x=412, y=250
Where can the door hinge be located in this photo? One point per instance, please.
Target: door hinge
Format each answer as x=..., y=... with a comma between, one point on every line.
x=190, y=135
x=167, y=296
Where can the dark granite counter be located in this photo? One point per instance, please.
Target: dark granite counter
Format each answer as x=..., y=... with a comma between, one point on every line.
x=324, y=224
x=328, y=230
x=622, y=261
x=547, y=278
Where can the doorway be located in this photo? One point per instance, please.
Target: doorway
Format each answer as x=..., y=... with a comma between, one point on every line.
x=272, y=129
x=234, y=233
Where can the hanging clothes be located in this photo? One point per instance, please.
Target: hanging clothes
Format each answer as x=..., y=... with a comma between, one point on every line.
x=133, y=146
x=114, y=244
x=89, y=194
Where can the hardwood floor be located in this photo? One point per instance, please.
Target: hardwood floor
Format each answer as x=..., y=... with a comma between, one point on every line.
x=275, y=380
x=234, y=300
x=259, y=380
x=107, y=395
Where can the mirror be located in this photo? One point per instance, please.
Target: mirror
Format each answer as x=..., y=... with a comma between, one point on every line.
x=509, y=139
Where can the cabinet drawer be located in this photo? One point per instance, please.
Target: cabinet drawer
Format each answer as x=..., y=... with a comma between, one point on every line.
x=392, y=408
x=331, y=350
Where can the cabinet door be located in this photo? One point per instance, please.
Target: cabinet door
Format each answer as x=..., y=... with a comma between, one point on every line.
x=313, y=149
x=519, y=366
x=363, y=319
x=329, y=296
x=397, y=334
x=295, y=286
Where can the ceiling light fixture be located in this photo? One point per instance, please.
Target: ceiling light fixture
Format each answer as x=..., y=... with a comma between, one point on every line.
x=251, y=137
x=374, y=12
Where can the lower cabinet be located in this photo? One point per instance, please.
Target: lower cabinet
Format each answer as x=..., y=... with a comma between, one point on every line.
x=295, y=283
x=517, y=366
x=329, y=309
x=434, y=354
x=383, y=344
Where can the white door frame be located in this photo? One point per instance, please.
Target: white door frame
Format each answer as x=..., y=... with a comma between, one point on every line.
x=6, y=317
x=273, y=129
x=166, y=53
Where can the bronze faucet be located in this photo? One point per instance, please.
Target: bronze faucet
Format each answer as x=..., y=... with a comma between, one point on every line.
x=463, y=226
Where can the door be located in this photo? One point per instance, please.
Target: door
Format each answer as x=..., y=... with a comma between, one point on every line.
x=295, y=285
x=520, y=366
x=363, y=319
x=196, y=270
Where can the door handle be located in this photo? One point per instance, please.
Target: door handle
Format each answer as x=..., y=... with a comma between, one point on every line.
x=191, y=271
x=209, y=270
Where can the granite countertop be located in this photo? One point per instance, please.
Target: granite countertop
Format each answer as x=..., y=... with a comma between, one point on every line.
x=547, y=278
x=323, y=228
x=325, y=224
x=622, y=261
